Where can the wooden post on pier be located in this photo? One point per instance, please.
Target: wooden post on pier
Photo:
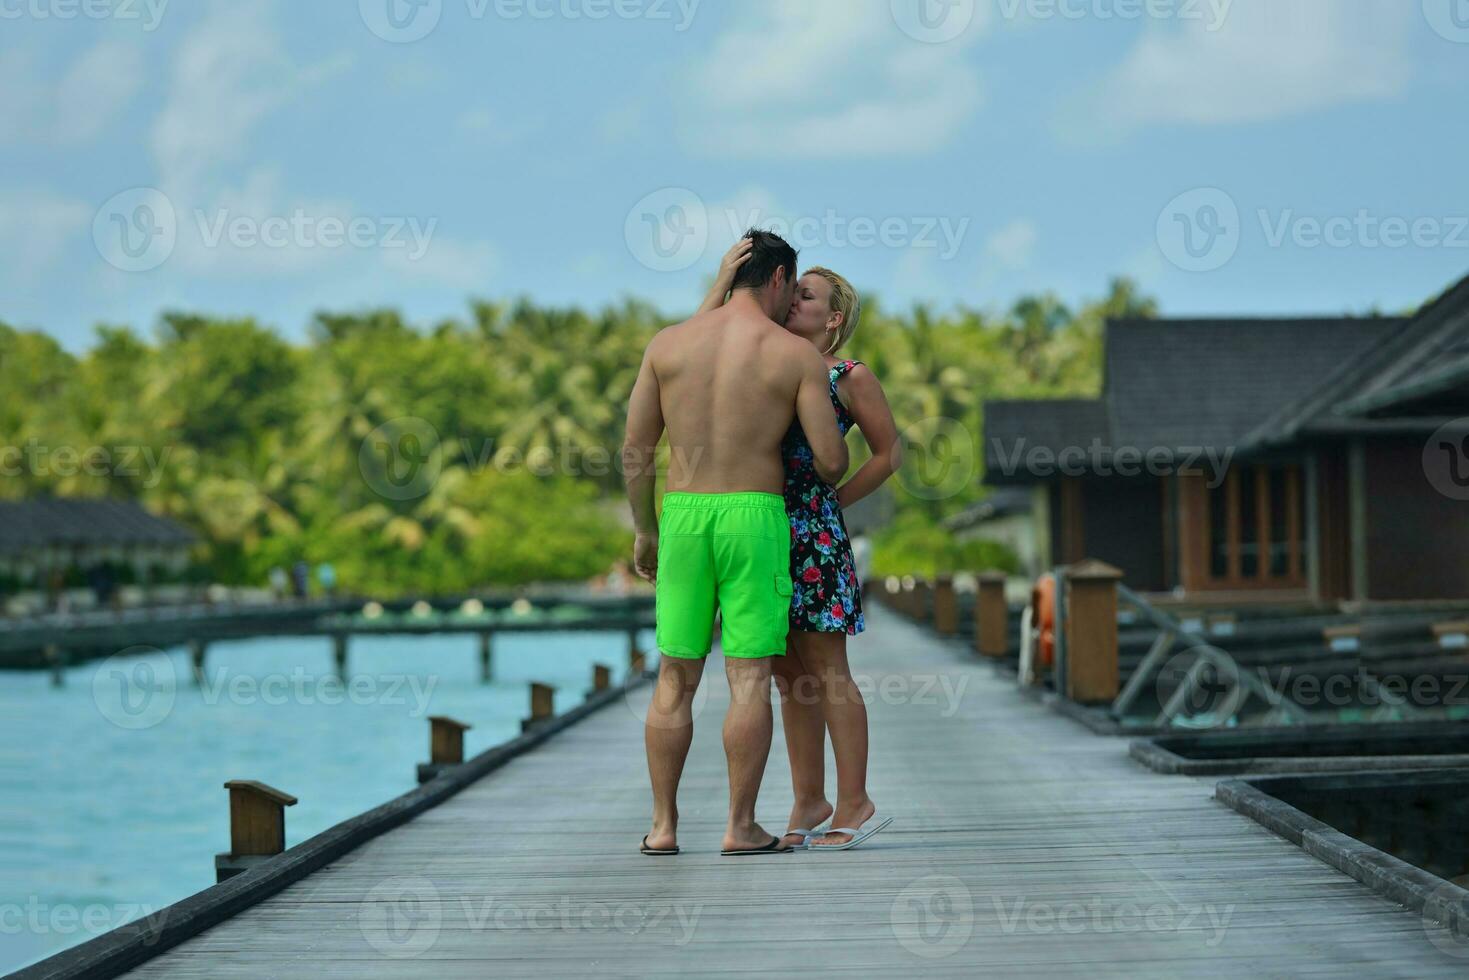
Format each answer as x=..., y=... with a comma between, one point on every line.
x=991, y=616
x=945, y=606
x=56, y=662
x=445, y=746
x=922, y=610
x=446, y=740
x=906, y=601
x=197, y=652
x=257, y=826
x=1091, y=632
x=601, y=678
x=486, y=656
x=339, y=653
x=542, y=706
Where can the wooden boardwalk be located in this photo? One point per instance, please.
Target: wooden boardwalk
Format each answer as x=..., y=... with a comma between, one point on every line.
x=1024, y=845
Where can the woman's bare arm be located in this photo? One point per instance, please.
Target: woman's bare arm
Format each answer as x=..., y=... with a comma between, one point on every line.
x=869, y=407
x=737, y=256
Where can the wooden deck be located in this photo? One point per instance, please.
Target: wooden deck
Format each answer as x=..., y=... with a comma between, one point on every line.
x=1024, y=845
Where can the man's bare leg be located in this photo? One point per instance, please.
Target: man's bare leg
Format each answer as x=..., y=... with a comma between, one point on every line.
x=804, y=722
x=825, y=655
x=667, y=734
x=747, y=730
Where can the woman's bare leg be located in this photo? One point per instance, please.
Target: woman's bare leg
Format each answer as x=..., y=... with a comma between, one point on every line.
x=803, y=719
x=825, y=656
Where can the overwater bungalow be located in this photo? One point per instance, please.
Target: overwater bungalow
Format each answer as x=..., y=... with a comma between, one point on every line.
x=1259, y=460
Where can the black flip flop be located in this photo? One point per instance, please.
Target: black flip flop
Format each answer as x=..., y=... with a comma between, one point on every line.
x=772, y=848
x=656, y=851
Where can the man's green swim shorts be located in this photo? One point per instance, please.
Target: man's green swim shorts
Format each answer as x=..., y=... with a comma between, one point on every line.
x=730, y=551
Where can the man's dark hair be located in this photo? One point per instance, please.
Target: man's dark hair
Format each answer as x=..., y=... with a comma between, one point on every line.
x=771, y=252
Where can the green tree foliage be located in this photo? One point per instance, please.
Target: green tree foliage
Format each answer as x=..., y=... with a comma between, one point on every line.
x=258, y=444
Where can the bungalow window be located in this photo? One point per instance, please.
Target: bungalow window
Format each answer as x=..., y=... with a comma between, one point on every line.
x=1256, y=529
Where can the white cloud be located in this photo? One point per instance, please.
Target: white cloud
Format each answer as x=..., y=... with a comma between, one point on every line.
x=749, y=207
x=456, y=263
x=827, y=78
x=1268, y=60
x=479, y=120
x=1012, y=246
x=488, y=127
x=35, y=227
x=230, y=73
x=92, y=92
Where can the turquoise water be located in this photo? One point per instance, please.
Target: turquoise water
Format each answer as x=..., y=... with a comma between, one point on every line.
x=112, y=802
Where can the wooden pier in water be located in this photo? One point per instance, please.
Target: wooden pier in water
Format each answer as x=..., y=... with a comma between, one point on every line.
x=1024, y=845
x=56, y=641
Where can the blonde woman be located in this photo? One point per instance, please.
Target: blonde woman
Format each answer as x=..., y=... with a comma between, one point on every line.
x=814, y=678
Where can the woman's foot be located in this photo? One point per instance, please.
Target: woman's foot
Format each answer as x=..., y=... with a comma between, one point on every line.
x=853, y=815
x=807, y=816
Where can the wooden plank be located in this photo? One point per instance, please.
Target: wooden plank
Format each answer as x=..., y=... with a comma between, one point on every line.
x=1023, y=846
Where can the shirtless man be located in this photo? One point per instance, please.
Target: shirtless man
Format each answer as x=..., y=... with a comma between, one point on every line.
x=726, y=386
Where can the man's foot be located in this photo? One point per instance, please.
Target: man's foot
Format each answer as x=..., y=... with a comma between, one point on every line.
x=661, y=840
x=807, y=817
x=751, y=838
x=847, y=816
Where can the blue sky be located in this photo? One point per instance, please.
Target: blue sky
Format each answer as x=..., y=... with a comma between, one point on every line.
x=272, y=159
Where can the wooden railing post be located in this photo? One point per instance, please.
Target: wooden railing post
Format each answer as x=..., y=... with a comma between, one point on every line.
x=601, y=678
x=945, y=606
x=339, y=653
x=55, y=658
x=257, y=826
x=446, y=740
x=486, y=657
x=198, y=651
x=923, y=600
x=991, y=616
x=1091, y=632
x=445, y=746
x=542, y=706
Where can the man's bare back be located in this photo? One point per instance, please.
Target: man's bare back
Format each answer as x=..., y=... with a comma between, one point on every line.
x=727, y=382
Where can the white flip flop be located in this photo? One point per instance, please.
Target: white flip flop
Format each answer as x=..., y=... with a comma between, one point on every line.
x=806, y=835
x=858, y=835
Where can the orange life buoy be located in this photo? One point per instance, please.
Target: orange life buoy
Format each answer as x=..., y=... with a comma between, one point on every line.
x=1043, y=602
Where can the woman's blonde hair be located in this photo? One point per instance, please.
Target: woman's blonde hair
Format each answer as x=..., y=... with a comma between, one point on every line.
x=844, y=300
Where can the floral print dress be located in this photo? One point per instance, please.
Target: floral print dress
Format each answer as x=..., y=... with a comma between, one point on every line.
x=826, y=597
